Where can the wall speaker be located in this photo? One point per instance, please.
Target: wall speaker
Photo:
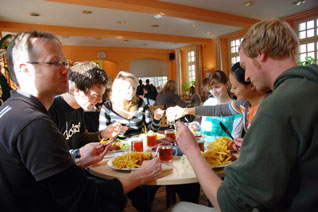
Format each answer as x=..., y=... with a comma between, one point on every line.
x=171, y=56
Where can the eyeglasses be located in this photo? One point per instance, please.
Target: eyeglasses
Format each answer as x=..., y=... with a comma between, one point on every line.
x=55, y=64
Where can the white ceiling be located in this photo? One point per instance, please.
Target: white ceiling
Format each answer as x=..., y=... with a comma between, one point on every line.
x=70, y=15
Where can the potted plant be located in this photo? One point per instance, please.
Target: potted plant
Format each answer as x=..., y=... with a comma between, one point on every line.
x=308, y=61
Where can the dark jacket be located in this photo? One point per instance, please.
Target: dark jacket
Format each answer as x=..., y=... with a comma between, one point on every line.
x=276, y=170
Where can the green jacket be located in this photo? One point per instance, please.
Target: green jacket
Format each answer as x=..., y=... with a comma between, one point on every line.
x=277, y=168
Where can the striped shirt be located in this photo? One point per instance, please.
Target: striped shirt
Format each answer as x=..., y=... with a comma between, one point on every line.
x=142, y=116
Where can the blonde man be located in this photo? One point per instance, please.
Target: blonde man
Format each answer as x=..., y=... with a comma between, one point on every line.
x=275, y=171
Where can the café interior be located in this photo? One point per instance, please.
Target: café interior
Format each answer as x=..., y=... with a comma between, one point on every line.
x=160, y=40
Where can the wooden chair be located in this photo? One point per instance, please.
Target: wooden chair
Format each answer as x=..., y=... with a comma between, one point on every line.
x=164, y=122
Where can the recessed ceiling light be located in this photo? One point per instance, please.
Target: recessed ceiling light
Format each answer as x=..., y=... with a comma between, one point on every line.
x=87, y=12
x=65, y=36
x=154, y=25
x=195, y=25
x=209, y=33
x=121, y=22
x=98, y=38
x=34, y=14
x=126, y=40
x=297, y=3
x=145, y=44
x=157, y=16
x=249, y=3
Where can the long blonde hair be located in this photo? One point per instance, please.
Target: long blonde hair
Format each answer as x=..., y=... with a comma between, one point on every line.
x=115, y=96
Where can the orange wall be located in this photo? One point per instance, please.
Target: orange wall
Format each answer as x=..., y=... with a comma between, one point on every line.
x=208, y=55
x=118, y=59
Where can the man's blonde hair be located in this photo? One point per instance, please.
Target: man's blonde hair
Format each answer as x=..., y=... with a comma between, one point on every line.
x=273, y=37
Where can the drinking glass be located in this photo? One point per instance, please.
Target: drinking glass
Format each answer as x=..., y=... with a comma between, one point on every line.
x=166, y=152
x=137, y=144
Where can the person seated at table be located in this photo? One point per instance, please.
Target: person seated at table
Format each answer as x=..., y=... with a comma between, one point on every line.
x=37, y=171
x=86, y=86
x=278, y=159
x=168, y=96
x=124, y=106
x=247, y=104
x=195, y=98
x=218, y=85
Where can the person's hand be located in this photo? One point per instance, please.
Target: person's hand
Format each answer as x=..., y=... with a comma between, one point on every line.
x=150, y=170
x=158, y=114
x=92, y=153
x=112, y=130
x=174, y=113
x=185, y=139
x=235, y=144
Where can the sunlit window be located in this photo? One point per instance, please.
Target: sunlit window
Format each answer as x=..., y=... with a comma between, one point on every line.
x=191, y=65
x=234, y=50
x=307, y=31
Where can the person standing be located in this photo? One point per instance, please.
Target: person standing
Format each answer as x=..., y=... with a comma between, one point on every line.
x=37, y=171
x=275, y=170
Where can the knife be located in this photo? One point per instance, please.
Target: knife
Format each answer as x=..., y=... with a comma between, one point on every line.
x=226, y=130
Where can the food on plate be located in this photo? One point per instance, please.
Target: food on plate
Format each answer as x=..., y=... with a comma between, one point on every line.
x=217, y=153
x=114, y=146
x=131, y=160
x=117, y=144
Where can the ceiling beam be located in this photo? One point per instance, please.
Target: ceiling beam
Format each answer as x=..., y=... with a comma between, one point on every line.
x=100, y=33
x=168, y=9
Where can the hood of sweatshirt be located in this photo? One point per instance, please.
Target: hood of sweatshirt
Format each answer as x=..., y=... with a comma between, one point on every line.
x=309, y=72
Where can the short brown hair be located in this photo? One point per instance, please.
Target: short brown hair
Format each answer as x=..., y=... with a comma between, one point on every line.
x=273, y=37
x=85, y=75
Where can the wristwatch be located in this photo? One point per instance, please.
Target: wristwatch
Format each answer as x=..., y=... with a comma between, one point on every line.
x=75, y=153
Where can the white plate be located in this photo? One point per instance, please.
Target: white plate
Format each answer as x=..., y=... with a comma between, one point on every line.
x=164, y=167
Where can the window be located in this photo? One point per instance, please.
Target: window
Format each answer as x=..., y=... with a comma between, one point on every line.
x=191, y=65
x=234, y=50
x=158, y=82
x=307, y=31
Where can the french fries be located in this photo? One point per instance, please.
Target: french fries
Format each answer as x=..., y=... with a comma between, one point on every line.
x=217, y=153
x=131, y=160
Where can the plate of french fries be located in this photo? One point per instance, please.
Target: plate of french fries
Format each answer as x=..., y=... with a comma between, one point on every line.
x=216, y=154
x=129, y=161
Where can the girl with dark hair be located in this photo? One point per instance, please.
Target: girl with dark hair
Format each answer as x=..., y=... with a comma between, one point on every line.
x=247, y=103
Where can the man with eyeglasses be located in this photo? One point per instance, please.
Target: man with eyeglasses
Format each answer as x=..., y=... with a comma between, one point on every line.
x=87, y=84
x=37, y=173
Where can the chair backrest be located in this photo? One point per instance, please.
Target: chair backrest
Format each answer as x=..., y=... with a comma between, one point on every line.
x=164, y=122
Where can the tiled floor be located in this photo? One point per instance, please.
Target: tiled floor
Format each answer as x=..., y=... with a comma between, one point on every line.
x=159, y=203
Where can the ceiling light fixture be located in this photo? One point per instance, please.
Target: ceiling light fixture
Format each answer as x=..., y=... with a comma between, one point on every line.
x=249, y=3
x=297, y=3
x=87, y=12
x=34, y=14
x=195, y=25
x=121, y=22
x=98, y=38
x=65, y=36
x=145, y=44
x=126, y=40
x=157, y=16
x=154, y=25
x=209, y=33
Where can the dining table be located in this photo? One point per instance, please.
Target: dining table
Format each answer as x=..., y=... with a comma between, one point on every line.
x=174, y=173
